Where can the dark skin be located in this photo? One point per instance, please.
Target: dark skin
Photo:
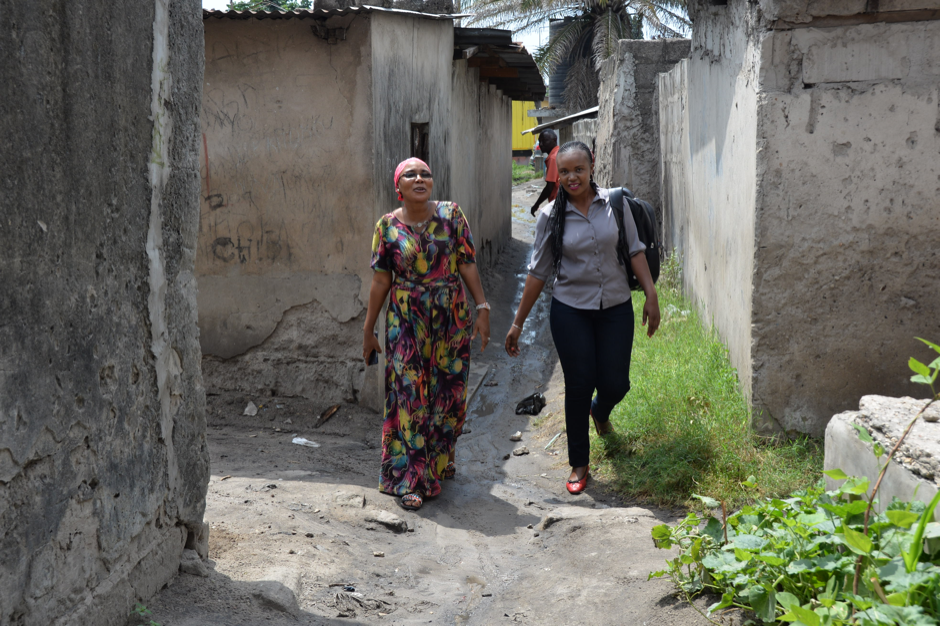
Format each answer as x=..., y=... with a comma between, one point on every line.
x=415, y=186
x=546, y=144
x=574, y=175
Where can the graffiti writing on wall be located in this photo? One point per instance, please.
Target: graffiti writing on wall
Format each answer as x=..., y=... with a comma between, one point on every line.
x=227, y=239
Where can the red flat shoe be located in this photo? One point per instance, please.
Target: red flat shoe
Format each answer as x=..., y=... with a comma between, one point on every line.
x=577, y=486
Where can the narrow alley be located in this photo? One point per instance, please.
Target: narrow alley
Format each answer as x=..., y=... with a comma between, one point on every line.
x=302, y=535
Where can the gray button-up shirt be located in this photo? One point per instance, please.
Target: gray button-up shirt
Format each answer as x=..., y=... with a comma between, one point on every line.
x=590, y=276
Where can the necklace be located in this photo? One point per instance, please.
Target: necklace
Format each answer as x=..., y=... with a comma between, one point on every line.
x=419, y=227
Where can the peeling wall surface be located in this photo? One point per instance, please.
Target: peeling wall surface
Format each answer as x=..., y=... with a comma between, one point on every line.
x=103, y=459
x=287, y=205
x=816, y=128
x=708, y=116
x=848, y=236
x=628, y=120
x=301, y=140
x=480, y=144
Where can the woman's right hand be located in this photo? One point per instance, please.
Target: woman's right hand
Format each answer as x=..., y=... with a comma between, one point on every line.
x=370, y=343
x=512, y=341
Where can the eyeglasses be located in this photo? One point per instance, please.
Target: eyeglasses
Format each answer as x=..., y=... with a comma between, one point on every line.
x=411, y=174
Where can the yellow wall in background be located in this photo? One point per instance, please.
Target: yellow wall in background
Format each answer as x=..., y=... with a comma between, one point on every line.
x=520, y=122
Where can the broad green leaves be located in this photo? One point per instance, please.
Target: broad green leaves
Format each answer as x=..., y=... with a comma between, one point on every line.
x=793, y=560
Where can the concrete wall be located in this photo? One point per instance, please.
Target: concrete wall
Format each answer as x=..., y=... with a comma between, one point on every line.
x=287, y=206
x=585, y=131
x=848, y=216
x=710, y=173
x=628, y=119
x=480, y=145
x=103, y=460
x=301, y=140
x=800, y=162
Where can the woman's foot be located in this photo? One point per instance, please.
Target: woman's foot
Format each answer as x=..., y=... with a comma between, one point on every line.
x=602, y=428
x=450, y=471
x=411, y=501
x=578, y=479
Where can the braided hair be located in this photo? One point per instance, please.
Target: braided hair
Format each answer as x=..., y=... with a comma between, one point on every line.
x=556, y=219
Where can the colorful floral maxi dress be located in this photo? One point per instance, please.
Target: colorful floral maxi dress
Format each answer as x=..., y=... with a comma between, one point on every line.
x=427, y=347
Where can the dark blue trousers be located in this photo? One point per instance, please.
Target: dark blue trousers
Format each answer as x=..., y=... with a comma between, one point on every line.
x=594, y=348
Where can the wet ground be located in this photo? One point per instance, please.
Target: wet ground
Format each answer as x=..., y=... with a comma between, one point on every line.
x=300, y=535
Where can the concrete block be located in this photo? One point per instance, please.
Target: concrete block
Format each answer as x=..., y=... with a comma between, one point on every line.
x=910, y=476
x=837, y=61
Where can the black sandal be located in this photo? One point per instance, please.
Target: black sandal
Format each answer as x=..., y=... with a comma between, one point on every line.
x=411, y=501
x=450, y=471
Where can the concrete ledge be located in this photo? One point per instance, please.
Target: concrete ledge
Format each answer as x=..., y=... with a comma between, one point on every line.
x=913, y=474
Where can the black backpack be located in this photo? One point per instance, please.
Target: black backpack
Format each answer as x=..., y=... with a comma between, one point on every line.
x=645, y=218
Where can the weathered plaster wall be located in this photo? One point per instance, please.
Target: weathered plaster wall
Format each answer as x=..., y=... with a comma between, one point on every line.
x=848, y=217
x=585, y=131
x=103, y=461
x=710, y=220
x=480, y=142
x=628, y=120
x=287, y=206
x=801, y=165
x=677, y=194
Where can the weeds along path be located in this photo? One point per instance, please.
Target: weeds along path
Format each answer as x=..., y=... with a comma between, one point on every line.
x=302, y=536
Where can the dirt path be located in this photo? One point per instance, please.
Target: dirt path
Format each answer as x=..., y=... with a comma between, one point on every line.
x=292, y=526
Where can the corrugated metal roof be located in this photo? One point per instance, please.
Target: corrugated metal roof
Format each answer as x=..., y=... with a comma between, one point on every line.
x=494, y=52
x=523, y=81
x=320, y=13
x=564, y=121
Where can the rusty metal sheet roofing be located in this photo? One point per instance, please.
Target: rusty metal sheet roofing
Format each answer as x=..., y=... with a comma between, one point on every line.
x=320, y=13
x=497, y=45
x=491, y=43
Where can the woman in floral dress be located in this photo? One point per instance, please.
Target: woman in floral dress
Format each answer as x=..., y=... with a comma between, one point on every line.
x=420, y=252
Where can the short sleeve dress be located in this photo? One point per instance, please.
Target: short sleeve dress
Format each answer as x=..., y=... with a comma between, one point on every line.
x=427, y=347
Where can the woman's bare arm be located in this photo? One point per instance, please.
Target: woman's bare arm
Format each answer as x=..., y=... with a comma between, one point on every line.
x=481, y=325
x=651, y=309
x=381, y=284
x=530, y=293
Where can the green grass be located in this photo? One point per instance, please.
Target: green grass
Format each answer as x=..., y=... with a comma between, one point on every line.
x=684, y=427
x=522, y=173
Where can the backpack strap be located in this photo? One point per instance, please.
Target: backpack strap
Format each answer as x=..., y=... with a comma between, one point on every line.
x=616, y=205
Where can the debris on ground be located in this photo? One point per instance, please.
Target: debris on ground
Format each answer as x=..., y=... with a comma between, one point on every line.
x=345, y=498
x=251, y=410
x=531, y=405
x=554, y=439
x=346, y=604
x=327, y=414
x=389, y=520
x=517, y=436
x=300, y=441
x=520, y=451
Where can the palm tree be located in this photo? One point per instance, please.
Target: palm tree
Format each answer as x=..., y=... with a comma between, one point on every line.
x=589, y=34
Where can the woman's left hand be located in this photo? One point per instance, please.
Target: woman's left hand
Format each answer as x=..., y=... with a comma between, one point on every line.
x=651, y=316
x=481, y=326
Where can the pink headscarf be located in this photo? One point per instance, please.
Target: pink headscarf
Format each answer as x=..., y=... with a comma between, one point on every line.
x=401, y=168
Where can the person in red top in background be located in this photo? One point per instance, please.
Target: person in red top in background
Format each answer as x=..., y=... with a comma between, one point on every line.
x=548, y=143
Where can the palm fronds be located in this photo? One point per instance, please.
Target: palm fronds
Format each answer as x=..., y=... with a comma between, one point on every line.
x=590, y=32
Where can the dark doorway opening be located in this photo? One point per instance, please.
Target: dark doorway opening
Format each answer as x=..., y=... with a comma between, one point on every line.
x=420, y=141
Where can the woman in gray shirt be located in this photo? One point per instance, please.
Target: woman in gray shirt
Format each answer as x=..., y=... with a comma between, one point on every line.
x=591, y=314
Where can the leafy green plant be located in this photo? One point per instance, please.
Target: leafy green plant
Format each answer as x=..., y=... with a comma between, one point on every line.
x=143, y=613
x=817, y=558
